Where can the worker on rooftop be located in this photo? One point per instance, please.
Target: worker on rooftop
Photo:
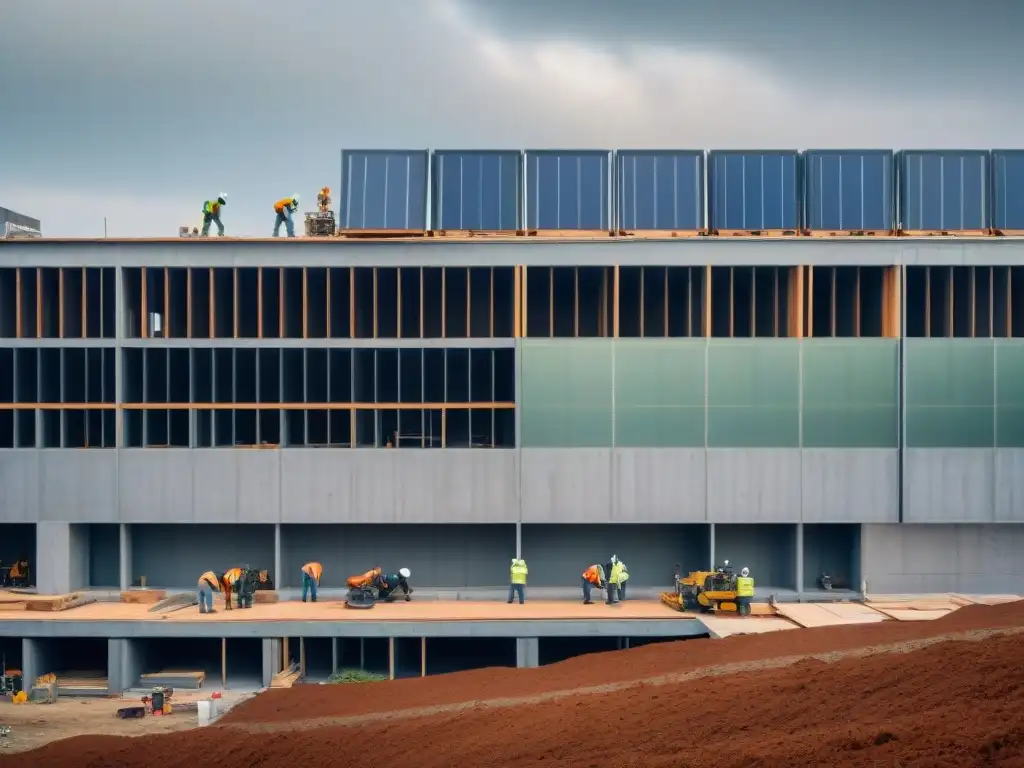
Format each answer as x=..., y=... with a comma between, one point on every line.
x=285, y=207
x=323, y=200
x=623, y=576
x=517, y=580
x=211, y=212
x=311, y=573
x=616, y=578
x=592, y=577
x=208, y=584
x=744, y=592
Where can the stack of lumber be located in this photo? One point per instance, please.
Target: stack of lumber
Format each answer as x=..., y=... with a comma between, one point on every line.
x=174, y=678
x=76, y=682
x=23, y=601
x=913, y=609
x=265, y=596
x=286, y=678
x=143, y=596
x=13, y=601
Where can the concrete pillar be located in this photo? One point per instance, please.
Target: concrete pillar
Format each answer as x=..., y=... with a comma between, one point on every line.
x=527, y=652
x=799, y=560
x=392, y=653
x=334, y=655
x=31, y=662
x=62, y=557
x=711, y=548
x=519, y=539
x=278, y=575
x=362, y=653
x=271, y=659
x=125, y=555
x=124, y=664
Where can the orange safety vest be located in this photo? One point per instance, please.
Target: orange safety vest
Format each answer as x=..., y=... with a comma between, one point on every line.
x=230, y=577
x=210, y=578
x=314, y=570
x=592, y=575
x=363, y=579
x=283, y=203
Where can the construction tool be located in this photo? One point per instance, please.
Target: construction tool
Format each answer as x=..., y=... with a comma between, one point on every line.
x=10, y=680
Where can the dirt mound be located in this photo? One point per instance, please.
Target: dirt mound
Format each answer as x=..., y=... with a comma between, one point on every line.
x=951, y=703
x=612, y=667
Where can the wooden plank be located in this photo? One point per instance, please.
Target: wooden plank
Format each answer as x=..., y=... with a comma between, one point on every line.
x=143, y=596
x=848, y=233
x=755, y=233
x=569, y=234
x=659, y=234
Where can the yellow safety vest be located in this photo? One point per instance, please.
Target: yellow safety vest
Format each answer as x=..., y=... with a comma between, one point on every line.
x=616, y=575
x=744, y=586
x=519, y=572
x=212, y=207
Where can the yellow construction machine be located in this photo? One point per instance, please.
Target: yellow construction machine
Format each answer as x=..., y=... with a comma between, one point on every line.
x=704, y=592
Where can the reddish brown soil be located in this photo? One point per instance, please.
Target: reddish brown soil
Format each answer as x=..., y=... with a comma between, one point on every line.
x=949, y=703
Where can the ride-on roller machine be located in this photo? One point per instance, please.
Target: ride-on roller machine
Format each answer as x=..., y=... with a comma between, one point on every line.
x=705, y=591
x=367, y=589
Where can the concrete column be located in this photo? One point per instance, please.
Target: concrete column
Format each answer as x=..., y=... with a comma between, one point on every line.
x=392, y=658
x=362, y=653
x=799, y=560
x=31, y=662
x=278, y=576
x=62, y=557
x=334, y=655
x=124, y=664
x=711, y=548
x=527, y=652
x=125, y=555
x=519, y=539
x=271, y=659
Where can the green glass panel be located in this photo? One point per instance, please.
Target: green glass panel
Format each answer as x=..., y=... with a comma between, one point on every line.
x=850, y=393
x=659, y=393
x=566, y=393
x=1010, y=393
x=753, y=394
x=950, y=389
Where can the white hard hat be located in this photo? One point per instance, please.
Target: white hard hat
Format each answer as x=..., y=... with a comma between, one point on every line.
x=295, y=198
x=223, y=196
x=745, y=571
x=727, y=562
x=613, y=559
x=405, y=573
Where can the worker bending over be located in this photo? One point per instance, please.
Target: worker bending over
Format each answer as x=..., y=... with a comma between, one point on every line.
x=311, y=579
x=243, y=582
x=323, y=199
x=744, y=592
x=593, y=577
x=285, y=207
x=387, y=584
x=517, y=580
x=208, y=584
x=211, y=213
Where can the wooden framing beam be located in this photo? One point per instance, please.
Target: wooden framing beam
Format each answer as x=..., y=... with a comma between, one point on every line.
x=523, y=302
x=224, y=659
x=810, y=302
x=707, y=302
x=517, y=301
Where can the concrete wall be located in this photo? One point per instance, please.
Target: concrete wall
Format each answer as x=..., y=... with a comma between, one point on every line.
x=963, y=485
x=833, y=549
x=437, y=555
x=768, y=550
x=943, y=558
x=558, y=554
x=176, y=555
x=104, y=554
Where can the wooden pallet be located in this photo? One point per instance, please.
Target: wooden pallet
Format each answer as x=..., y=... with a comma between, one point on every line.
x=660, y=234
x=81, y=680
x=464, y=234
x=1008, y=232
x=265, y=596
x=848, y=233
x=286, y=678
x=755, y=232
x=944, y=233
x=370, y=234
x=580, y=234
x=143, y=596
x=58, y=602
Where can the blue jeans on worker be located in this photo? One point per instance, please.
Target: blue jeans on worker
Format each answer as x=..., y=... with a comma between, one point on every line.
x=587, y=586
x=285, y=217
x=205, y=598
x=308, y=586
x=517, y=589
x=215, y=218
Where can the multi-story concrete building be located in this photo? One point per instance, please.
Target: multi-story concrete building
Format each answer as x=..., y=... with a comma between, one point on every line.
x=793, y=404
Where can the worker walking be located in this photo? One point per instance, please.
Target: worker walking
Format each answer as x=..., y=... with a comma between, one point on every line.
x=211, y=213
x=744, y=592
x=311, y=579
x=517, y=580
x=208, y=584
x=592, y=577
x=285, y=207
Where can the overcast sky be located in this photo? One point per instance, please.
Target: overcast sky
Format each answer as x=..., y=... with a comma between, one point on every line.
x=138, y=110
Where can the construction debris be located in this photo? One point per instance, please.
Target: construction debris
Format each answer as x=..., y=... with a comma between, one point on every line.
x=174, y=678
x=286, y=678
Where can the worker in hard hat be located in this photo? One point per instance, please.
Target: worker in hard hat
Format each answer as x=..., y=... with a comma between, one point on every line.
x=387, y=584
x=241, y=581
x=744, y=592
x=211, y=213
x=311, y=573
x=592, y=577
x=207, y=585
x=285, y=207
x=323, y=199
x=517, y=580
x=615, y=581
x=623, y=573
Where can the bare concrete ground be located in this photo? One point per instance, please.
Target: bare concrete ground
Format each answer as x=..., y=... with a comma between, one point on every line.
x=34, y=725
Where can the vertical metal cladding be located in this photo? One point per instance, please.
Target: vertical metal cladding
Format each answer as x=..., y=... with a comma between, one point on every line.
x=660, y=189
x=476, y=189
x=383, y=189
x=754, y=190
x=849, y=190
x=568, y=189
x=944, y=190
x=1008, y=191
